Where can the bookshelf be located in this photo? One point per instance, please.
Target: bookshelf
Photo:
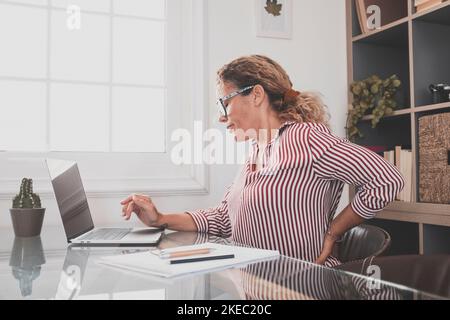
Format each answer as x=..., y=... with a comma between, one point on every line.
x=416, y=47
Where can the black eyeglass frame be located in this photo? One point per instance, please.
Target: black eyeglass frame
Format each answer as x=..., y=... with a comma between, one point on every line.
x=221, y=101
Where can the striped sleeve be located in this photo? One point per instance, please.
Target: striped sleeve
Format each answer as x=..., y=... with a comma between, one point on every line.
x=214, y=221
x=377, y=182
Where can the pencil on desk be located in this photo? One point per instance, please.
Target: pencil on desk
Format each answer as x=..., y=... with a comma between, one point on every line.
x=185, y=253
x=225, y=256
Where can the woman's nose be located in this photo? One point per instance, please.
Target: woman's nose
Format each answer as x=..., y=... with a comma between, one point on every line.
x=223, y=119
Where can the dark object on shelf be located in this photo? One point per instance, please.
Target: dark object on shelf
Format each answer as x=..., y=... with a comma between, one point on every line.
x=363, y=241
x=26, y=214
x=440, y=93
x=27, y=257
x=430, y=273
x=434, y=170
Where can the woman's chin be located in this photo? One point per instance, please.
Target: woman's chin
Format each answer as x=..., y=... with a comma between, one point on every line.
x=238, y=134
x=240, y=137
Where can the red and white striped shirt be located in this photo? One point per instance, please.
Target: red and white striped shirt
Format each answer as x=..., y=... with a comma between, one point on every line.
x=289, y=203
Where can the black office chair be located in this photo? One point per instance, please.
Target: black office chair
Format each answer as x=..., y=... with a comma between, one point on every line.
x=361, y=242
x=430, y=274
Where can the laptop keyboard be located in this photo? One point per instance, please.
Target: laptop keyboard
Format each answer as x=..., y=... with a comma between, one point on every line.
x=106, y=234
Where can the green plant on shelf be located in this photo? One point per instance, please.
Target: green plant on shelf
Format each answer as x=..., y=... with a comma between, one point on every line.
x=373, y=96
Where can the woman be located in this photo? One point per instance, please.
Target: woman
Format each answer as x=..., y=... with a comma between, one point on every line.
x=287, y=194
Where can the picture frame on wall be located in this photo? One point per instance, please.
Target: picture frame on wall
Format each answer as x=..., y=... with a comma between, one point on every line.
x=274, y=18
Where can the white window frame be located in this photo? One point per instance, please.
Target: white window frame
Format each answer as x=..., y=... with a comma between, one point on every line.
x=151, y=173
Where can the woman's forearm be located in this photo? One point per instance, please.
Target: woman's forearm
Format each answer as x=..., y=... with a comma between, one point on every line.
x=346, y=220
x=177, y=221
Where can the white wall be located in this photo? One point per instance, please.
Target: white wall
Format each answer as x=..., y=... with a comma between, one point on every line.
x=315, y=59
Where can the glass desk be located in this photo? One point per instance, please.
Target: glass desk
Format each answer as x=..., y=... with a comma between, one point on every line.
x=46, y=267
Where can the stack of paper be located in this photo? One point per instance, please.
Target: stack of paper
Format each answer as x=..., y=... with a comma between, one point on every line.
x=149, y=263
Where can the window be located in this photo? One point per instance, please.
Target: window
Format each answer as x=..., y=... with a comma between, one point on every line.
x=102, y=82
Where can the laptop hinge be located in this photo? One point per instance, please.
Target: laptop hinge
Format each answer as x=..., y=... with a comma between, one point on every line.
x=79, y=234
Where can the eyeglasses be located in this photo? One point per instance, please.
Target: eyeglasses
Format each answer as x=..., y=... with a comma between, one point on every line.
x=221, y=102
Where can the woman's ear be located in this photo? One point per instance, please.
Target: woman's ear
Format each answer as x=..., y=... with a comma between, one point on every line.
x=259, y=94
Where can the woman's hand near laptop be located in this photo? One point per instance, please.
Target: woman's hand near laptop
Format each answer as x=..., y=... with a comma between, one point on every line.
x=143, y=207
x=146, y=211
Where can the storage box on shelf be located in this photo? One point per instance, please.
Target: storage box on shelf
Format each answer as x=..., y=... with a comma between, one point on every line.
x=434, y=158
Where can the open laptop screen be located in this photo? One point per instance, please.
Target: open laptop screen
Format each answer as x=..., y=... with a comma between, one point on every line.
x=70, y=196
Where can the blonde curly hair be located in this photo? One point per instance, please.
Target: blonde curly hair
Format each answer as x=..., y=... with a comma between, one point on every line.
x=257, y=69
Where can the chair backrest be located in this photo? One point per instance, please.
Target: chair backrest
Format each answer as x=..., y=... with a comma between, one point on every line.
x=430, y=273
x=363, y=241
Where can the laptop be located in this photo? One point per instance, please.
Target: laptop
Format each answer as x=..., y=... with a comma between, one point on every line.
x=76, y=216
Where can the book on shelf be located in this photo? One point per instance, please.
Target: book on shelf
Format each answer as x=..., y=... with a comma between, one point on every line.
x=402, y=159
x=389, y=156
x=422, y=5
x=406, y=171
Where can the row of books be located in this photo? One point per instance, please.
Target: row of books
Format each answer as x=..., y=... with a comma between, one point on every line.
x=402, y=159
x=422, y=5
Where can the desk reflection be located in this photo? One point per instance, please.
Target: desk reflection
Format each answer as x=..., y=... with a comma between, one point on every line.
x=72, y=273
x=78, y=279
x=27, y=257
x=284, y=278
x=291, y=279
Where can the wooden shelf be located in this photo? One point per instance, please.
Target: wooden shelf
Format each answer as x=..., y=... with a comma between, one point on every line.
x=417, y=49
x=432, y=107
x=421, y=208
x=401, y=112
x=418, y=110
x=415, y=217
x=388, y=27
x=396, y=113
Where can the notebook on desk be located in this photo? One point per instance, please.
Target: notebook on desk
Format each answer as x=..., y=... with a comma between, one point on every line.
x=149, y=263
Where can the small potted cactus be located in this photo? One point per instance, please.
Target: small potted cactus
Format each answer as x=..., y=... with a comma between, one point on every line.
x=26, y=214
